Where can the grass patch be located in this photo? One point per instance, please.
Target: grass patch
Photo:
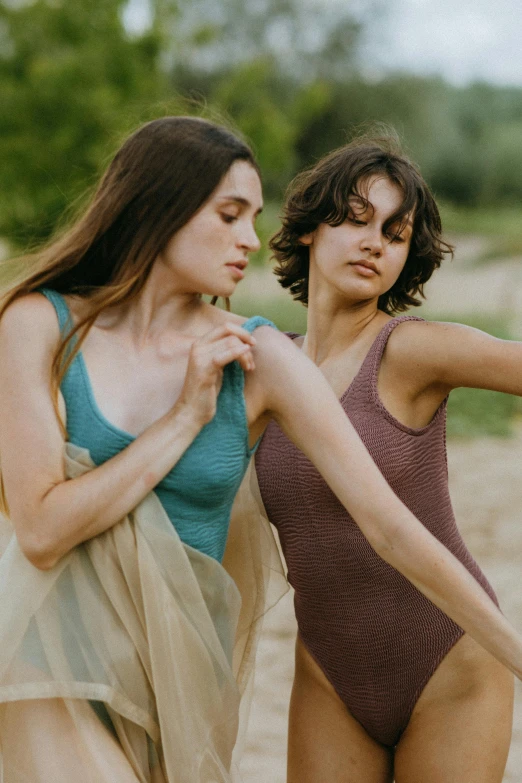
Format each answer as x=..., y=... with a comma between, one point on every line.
x=474, y=413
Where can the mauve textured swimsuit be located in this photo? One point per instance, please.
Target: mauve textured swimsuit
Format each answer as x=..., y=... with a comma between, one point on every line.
x=377, y=639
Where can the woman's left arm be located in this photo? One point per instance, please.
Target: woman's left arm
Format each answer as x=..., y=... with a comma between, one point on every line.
x=299, y=398
x=445, y=356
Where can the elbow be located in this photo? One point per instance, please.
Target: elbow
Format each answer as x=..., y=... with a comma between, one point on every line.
x=38, y=551
x=384, y=542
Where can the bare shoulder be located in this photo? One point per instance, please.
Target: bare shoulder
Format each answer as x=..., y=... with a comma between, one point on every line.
x=420, y=343
x=278, y=361
x=271, y=343
x=29, y=321
x=233, y=318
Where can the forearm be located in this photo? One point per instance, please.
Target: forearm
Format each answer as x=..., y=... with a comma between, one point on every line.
x=400, y=539
x=79, y=509
x=403, y=542
x=447, y=583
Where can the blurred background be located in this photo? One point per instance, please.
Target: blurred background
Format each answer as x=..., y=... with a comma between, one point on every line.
x=298, y=78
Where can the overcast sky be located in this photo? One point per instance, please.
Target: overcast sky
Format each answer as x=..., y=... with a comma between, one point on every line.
x=460, y=39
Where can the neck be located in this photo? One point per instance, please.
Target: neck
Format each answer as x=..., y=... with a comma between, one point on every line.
x=334, y=321
x=161, y=307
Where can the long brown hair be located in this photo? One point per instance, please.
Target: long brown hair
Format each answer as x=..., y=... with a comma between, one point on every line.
x=157, y=181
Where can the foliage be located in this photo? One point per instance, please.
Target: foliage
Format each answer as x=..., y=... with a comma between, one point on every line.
x=304, y=39
x=467, y=140
x=71, y=80
x=77, y=75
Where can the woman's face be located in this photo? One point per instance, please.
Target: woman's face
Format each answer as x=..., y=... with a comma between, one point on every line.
x=358, y=259
x=210, y=252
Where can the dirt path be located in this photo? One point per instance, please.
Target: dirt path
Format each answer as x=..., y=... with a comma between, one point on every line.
x=486, y=485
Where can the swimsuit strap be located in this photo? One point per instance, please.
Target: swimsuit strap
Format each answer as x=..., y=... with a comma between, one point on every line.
x=255, y=321
x=60, y=305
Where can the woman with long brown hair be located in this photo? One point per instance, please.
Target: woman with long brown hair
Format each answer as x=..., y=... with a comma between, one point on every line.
x=386, y=687
x=130, y=408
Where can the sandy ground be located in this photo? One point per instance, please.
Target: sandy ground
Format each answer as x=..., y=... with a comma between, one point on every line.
x=486, y=485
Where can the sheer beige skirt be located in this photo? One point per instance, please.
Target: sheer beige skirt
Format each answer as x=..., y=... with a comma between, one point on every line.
x=160, y=633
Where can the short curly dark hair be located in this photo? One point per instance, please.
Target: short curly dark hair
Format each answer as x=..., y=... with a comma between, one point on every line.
x=321, y=195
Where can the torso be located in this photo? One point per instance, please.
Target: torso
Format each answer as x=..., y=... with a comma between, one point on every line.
x=134, y=387
x=377, y=639
x=198, y=492
x=403, y=391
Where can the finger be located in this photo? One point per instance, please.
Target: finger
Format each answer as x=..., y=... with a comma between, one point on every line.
x=230, y=342
x=230, y=354
x=247, y=362
x=246, y=337
x=225, y=329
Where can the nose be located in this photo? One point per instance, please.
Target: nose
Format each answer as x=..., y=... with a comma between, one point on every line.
x=248, y=239
x=372, y=241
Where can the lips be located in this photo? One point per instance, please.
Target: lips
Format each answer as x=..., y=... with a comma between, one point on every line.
x=367, y=268
x=238, y=267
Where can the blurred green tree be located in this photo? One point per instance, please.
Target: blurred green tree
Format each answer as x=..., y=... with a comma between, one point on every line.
x=77, y=75
x=71, y=80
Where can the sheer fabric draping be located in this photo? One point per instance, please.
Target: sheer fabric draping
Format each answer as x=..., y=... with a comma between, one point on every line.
x=160, y=633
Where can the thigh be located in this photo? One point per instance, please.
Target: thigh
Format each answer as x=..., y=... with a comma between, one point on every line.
x=42, y=741
x=325, y=743
x=461, y=726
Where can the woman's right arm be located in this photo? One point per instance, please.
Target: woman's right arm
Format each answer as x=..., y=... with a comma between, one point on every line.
x=51, y=515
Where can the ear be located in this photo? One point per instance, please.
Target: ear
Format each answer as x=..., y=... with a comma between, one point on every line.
x=307, y=239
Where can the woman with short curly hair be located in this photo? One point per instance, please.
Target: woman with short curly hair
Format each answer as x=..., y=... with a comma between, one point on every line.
x=386, y=687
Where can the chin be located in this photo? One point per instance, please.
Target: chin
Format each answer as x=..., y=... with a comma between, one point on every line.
x=362, y=292
x=223, y=292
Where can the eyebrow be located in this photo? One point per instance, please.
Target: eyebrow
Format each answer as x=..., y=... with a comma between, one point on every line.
x=244, y=202
x=409, y=223
x=354, y=197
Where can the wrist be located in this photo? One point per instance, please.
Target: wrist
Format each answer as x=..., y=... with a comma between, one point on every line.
x=186, y=418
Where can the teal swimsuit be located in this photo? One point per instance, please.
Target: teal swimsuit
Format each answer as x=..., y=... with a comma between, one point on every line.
x=199, y=491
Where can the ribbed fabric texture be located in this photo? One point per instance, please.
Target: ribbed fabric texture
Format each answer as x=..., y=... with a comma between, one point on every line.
x=199, y=491
x=377, y=639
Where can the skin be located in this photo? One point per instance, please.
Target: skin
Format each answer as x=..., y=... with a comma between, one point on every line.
x=156, y=369
x=461, y=726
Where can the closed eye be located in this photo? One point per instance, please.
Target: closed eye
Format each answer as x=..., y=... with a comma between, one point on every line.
x=228, y=218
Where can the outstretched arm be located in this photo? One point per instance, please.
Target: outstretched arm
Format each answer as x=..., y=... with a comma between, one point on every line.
x=439, y=356
x=305, y=407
